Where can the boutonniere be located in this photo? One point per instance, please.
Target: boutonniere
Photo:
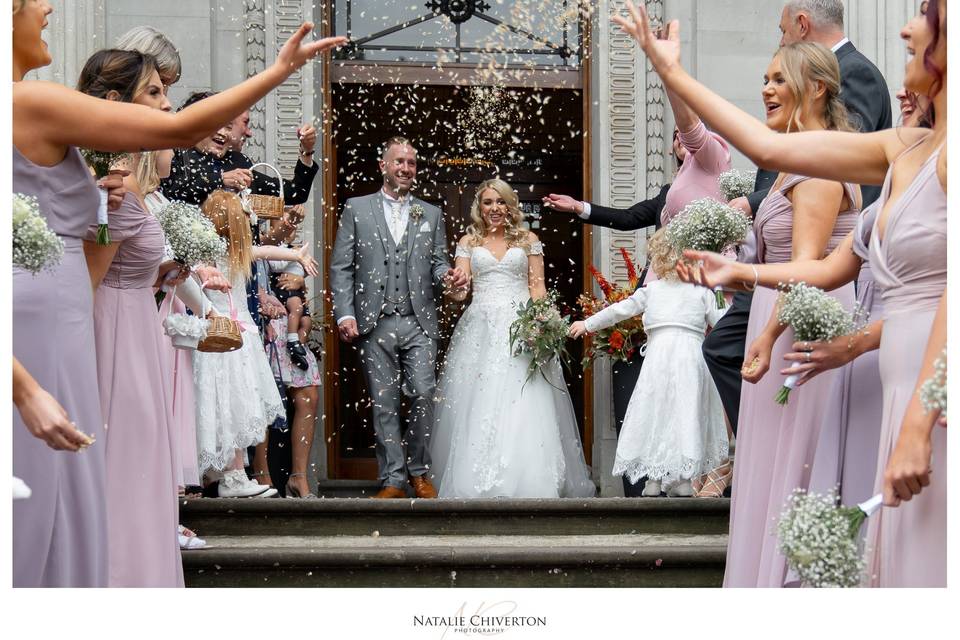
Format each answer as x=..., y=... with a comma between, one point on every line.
x=416, y=212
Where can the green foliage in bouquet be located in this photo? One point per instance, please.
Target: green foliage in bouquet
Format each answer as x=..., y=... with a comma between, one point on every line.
x=540, y=331
x=101, y=162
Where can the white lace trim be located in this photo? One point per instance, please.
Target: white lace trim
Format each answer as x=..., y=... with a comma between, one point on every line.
x=682, y=468
x=253, y=433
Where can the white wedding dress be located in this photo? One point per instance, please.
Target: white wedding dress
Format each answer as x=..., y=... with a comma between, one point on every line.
x=496, y=434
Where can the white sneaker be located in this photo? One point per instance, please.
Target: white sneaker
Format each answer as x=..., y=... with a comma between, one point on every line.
x=266, y=491
x=651, y=489
x=235, y=484
x=682, y=489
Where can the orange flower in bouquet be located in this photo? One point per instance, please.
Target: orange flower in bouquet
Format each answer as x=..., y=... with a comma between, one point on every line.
x=620, y=341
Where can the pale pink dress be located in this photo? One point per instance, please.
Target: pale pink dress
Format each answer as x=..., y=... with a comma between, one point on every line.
x=775, y=444
x=136, y=399
x=907, y=545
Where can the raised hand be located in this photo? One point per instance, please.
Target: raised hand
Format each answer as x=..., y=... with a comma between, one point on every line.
x=562, y=203
x=710, y=270
x=295, y=53
x=663, y=50
x=310, y=265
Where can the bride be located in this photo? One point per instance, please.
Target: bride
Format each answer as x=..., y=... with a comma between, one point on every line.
x=496, y=434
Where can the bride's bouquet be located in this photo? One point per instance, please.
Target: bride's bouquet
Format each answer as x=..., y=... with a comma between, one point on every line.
x=540, y=332
x=819, y=538
x=736, y=183
x=620, y=341
x=708, y=225
x=933, y=392
x=35, y=246
x=814, y=317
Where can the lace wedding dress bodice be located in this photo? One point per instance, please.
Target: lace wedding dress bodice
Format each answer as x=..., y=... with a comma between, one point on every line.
x=496, y=433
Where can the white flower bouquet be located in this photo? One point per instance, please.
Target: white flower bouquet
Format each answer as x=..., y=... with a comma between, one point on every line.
x=933, y=392
x=708, y=225
x=185, y=331
x=191, y=234
x=814, y=317
x=736, y=183
x=35, y=246
x=819, y=538
x=541, y=332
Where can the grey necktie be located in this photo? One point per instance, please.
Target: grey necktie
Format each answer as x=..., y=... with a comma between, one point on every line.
x=395, y=222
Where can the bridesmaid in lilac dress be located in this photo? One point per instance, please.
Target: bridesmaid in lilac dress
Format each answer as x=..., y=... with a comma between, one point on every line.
x=776, y=443
x=906, y=544
x=60, y=532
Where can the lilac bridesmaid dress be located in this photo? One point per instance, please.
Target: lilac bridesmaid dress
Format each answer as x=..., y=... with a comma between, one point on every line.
x=907, y=546
x=136, y=397
x=60, y=532
x=775, y=444
x=846, y=455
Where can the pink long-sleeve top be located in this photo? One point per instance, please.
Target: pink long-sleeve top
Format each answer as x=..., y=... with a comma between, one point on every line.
x=707, y=157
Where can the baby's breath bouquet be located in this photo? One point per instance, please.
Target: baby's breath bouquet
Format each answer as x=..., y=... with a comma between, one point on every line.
x=814, y=317
x=541, y=332
x=708, y=225
x=101, y=162
x=819, y=538
x=736, y=183
x=191, y=235
x=35, y=246
x=933, y=392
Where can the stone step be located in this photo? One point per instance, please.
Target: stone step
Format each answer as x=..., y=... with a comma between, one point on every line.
x=413, y=517
x=633, y=560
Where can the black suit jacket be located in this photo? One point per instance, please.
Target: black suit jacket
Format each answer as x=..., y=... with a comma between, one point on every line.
x=867, y=97
x=639, y=216
x=295, y=190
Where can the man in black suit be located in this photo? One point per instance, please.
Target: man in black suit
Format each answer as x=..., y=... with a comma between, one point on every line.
x=866, y=96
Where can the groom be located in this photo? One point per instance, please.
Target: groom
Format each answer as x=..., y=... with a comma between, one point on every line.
x=389, y=255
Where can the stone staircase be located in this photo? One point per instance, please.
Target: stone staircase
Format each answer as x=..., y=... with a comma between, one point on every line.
x=345, y=540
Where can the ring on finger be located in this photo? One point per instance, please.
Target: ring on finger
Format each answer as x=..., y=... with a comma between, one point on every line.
x=808, y=356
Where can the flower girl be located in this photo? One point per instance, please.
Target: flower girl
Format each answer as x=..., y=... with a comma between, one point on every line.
x=674, y=429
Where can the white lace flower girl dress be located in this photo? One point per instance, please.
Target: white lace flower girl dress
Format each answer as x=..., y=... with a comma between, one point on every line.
x=497, y=434
x=673, y=429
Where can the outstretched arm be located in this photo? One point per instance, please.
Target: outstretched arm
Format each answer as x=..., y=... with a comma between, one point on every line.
x=61, y=116
x=623, y=310
x=834, y=155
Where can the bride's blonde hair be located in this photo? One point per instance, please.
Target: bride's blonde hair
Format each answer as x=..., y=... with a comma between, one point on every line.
x=513, y=232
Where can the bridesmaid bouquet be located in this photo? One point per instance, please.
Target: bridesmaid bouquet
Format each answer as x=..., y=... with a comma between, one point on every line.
x=736, y=183
x=100, y=162
x=708, y=225
x=35, y=246
x=815, y=317
x=621, y=340
x=933, y=392
x=819, y=538
x=541, y=332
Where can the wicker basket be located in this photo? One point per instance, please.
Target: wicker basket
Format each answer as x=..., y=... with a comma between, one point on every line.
x=267, y=207
x=223, y=334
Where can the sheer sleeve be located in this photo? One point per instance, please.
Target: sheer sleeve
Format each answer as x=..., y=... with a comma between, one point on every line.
x=535, y=249
x=462, y=251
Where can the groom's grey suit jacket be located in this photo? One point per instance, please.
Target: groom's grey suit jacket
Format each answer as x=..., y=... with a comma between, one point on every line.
x=359, y=266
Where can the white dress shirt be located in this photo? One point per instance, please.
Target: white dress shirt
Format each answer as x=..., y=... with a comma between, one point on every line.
x=837, y=46
x=399, y=225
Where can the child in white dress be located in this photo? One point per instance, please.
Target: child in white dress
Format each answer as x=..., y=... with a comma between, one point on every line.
x=674, y=429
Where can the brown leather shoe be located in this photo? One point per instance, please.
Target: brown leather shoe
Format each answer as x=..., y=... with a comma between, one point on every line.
x=423, y=487
x=390, y=492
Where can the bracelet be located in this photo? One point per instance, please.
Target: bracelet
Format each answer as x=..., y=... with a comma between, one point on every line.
x=756, y=280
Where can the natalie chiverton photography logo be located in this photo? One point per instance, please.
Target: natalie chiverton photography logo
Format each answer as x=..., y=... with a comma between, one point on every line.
x=484, y=619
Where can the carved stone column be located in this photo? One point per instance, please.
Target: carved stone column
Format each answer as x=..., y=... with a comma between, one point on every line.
x=76, y=29
x=627, y=150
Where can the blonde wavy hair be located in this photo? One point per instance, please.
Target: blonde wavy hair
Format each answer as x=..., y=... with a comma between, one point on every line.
x=226, y=212
x=804, y=64
x=514, y=233
x=663, y=256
